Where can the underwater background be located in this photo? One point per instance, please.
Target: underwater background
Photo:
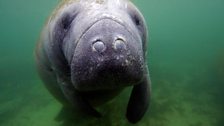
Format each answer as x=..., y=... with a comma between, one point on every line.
x=185, y=56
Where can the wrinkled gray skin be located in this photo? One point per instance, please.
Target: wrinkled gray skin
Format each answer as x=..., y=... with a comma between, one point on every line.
x=90, y=50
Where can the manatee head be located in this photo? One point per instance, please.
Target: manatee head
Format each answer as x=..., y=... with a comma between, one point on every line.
x=103, y=43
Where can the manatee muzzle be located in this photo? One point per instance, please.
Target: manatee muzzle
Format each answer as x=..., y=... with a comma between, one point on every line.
x=107, y=56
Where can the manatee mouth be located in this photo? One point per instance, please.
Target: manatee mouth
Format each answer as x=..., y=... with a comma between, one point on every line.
x=107, y=56
x=106, y=76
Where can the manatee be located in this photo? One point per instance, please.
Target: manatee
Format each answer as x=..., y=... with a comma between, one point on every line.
x=90, y=50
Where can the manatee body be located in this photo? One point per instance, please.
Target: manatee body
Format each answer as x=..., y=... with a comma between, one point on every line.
x=90, y=50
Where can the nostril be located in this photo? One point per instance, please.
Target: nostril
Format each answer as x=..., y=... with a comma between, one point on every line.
x=98, y=46
x=119, y=44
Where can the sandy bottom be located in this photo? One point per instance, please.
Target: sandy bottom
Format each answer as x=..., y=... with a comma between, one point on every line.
x=177, y=101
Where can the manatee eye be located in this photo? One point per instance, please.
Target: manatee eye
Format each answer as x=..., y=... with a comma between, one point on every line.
x=67, y=20
x=136, y=19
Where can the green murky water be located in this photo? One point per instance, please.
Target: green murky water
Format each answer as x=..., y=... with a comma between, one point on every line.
x=186, y=60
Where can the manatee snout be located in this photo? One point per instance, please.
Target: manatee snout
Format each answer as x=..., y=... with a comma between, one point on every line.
x=107, y=56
